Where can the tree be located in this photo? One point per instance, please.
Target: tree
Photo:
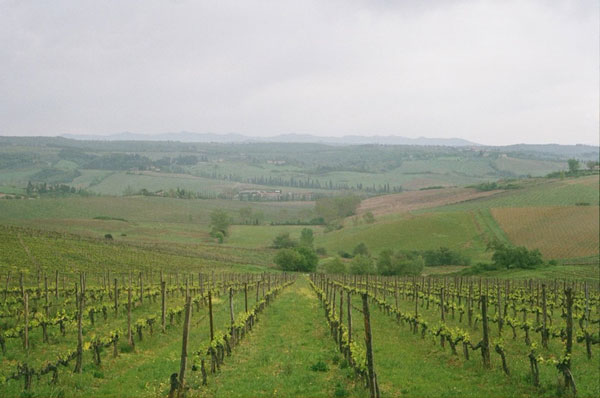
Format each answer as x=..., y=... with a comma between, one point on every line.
x=246, y=214
x=307, y=237
x=220, y=222
x=301, y=259
x=283, y=241
x=361, y=249
x=591, y=164
x=309, y=259
x=506, y=256
x=385, y=263
x=399, y=263
x=369, y=217
x=287, y=259
x=362, y=265
x=573, y=165
x=334, y=266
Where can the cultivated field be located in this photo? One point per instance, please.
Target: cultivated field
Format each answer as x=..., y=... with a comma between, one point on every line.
x=557, y=231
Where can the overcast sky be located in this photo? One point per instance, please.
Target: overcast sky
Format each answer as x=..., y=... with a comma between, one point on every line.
x=494, y=72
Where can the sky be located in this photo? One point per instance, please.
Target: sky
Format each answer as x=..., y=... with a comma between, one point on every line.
x=493, y=72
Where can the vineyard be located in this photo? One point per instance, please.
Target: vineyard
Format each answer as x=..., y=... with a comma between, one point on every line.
x=214, y=334
x=53, y=333
x=544, y=333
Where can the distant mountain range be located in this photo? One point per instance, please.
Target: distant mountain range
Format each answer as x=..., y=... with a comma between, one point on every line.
x=285, y=138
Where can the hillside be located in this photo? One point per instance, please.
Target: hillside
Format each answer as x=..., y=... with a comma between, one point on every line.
x=558, y=217
x=210, y=170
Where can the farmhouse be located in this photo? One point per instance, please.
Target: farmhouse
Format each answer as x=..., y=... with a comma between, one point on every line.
x=253, y=194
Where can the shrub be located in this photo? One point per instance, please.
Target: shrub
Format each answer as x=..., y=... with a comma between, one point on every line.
x=320, y=366
x=361, y=249
x=515, y=257
x=444, y=256
x=301, y=259
x=362, y=265
x=284, y=241
x=400, y=263
x=321, y=251
x=334, y=266
x=307, y=237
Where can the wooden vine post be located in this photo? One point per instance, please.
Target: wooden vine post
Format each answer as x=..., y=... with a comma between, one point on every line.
x=566, y=365
x=544, y=318
x=79, y=356
x=163, y=313
x=372, y=377
x=231, y=314
x=246, y=297
x=141, y=289
x=349, y=301
x=485, y=343
x=184, y=343
x=46, y=297
x=210, y=316
x=442, y=339
x=129, y=334
x=26, y=319
x=116, y=299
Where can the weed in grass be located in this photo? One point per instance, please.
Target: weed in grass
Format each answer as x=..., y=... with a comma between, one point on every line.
x=319, y=366
x=340, y=391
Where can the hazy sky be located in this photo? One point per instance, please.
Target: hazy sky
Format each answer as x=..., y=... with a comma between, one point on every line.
x=494, y=72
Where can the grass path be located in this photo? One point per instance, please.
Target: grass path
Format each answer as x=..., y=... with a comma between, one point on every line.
x=277, y=358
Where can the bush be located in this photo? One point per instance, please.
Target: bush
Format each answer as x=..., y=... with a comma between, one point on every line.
x=283, y=241
x=220, y=221
x=444, y=256
x=400, y=263
x=307, y=237
x=362, y=265
x=361, y=249
x=334, y=266
x=319, y=367
x=344, y=254
x=515, y=257
x=302, y=259
x=369, y=217
x=321, y=251
x=108, y=237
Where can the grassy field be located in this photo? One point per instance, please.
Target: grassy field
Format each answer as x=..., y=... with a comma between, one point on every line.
x=541, y=192
x=455, y=230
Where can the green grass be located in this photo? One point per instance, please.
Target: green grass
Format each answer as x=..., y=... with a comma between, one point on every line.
x=541, y=192
x=277, y=359
x=149, y=209
x=456, y=230
x=409, y=366
x=589, y=272
x=486, y=221
x=261, y=236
